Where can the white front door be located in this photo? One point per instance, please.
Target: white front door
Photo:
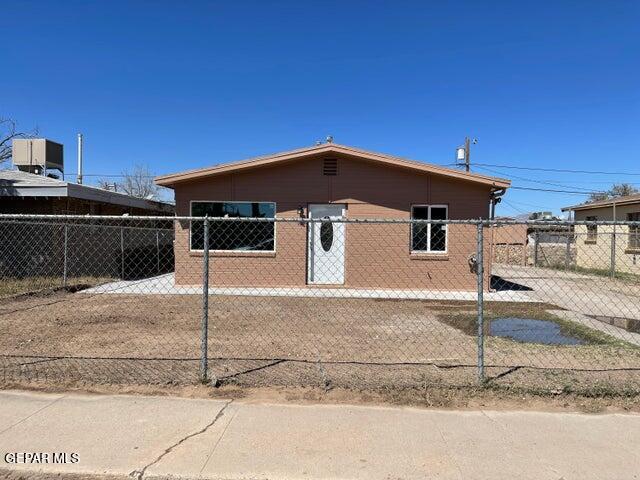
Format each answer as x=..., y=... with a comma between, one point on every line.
x=326, y=245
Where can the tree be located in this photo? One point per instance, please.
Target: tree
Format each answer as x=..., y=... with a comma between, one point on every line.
x=623, y=189
x=139, y=183
x=616, y=190
x=597, y=196
x=9, y=131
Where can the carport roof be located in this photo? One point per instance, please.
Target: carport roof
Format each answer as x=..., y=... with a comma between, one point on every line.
x=328, y=148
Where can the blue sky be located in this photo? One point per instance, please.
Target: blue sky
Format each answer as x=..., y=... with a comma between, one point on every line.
x=179, y=85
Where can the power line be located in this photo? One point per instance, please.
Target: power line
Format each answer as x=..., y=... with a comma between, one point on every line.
x=592, y=182
x=572, y=192
x=558, y=170
x=551, y=191
x=513, y=207
x=530, y=204
x=543, y=182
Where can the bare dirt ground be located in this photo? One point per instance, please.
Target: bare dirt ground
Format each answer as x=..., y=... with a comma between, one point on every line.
x=398, y=351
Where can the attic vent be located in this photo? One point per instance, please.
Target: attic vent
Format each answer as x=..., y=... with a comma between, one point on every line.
x=330, y=167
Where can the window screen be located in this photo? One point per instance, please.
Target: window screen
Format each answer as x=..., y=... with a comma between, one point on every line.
x=230, y=235
x=432, y=236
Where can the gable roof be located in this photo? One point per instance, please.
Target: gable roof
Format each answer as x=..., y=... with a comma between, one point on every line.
x=327, y=148
x=627, y=199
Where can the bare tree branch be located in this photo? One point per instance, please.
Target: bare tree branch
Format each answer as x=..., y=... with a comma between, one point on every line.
x=8, y=132
x=105, y=184
x=139, y=183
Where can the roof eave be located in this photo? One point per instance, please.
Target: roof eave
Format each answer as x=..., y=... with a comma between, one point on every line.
x=173, y=179
x=589, y=206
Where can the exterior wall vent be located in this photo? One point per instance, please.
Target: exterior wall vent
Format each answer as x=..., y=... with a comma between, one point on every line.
x=330, y=167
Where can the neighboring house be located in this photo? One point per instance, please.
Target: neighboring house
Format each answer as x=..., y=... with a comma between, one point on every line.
x=331, y=181
x=22, y=192
x=594, y=245
x=55, y=247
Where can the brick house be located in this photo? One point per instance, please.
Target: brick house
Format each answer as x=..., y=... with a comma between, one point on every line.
x=330, y=182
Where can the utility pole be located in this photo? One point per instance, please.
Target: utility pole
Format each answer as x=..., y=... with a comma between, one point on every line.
x=463, y=153
x=467, y=165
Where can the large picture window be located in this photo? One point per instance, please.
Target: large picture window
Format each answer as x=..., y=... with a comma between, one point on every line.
x=230, y=235
x=432, y=236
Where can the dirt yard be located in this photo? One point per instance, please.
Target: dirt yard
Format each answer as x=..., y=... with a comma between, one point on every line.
x=96, y=339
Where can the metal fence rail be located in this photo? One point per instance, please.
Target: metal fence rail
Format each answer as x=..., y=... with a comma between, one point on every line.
x=355, y=303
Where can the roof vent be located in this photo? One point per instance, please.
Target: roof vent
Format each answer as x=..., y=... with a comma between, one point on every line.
x=330, y=167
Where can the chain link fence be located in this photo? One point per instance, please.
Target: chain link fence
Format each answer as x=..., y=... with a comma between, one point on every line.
x=330, y=302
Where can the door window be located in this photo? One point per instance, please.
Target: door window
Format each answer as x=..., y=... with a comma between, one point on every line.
x=326, y=235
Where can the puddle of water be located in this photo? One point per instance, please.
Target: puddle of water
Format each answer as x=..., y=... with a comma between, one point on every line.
x=532, y=331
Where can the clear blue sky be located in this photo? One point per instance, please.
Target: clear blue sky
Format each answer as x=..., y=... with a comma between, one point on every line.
x=179, y=85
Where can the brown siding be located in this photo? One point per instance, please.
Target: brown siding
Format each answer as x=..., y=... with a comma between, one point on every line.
x=375, y=255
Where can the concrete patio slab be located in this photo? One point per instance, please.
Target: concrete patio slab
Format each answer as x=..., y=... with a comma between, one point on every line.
x=165, y=285
x=586, y=294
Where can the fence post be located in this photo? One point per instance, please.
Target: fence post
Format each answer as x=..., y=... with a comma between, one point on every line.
x=122, y=253
x=204, y=374
x=567, y=255
x=613, y=252
x=64, y=265
x=536, y=239
x=480, y=274
x=158, y=252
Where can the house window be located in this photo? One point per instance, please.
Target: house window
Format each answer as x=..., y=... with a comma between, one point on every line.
x=234, y=236
x=634, y=231
x=592, y=230
x=432, y=236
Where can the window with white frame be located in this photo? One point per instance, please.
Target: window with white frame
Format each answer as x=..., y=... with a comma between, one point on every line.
x=234, y=236
x=429, y=236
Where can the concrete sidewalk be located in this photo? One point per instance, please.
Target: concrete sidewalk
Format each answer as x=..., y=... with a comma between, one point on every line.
x=148, y=437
